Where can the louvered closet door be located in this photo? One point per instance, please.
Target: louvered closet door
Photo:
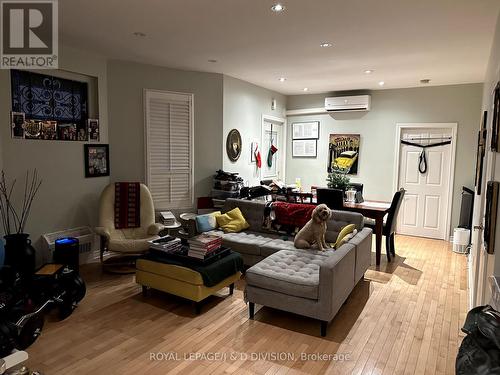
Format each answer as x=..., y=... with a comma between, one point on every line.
x=169, y=148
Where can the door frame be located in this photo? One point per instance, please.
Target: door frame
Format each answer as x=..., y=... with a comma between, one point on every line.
x=453, y=126
x=282, y=123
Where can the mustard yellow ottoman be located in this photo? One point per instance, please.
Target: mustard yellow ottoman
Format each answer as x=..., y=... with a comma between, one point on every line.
x=190, y=280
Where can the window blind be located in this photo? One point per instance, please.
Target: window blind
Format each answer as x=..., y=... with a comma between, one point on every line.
x=169, y=123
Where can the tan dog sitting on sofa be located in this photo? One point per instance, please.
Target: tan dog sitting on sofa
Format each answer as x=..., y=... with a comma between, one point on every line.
x=313, y=233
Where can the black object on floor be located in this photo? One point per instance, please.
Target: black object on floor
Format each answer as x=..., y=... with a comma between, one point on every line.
x=67, y=251
x=479, y=353
x=24, y=301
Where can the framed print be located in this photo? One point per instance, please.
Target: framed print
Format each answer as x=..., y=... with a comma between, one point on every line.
x=254, y=147
x=233, y=145
x=495, y=124
x=48, y=130
x=344, y=153
x=82, y=134
x=490, y=216
x=93, y=130
x=96, y=160
x=66, y=132
x=32, y=129
x=17, y=124
x=305, y=148
x=305, y=130
x=481, y=148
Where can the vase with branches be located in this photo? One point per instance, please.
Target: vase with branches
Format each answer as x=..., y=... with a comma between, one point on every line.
x=18, y=250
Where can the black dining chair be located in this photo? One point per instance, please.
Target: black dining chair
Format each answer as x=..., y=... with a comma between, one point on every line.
x=389, y=228
x=333, y=198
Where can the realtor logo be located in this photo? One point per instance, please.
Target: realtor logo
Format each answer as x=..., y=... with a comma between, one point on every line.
x=29, y=34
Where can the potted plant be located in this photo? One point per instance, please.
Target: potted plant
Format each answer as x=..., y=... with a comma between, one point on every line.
x=19, y=253
x=338, y=180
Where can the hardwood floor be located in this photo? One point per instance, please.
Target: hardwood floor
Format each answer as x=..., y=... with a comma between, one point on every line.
x=404, y=318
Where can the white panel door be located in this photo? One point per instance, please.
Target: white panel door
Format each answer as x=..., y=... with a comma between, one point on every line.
x=275, y=170
x=425, y=206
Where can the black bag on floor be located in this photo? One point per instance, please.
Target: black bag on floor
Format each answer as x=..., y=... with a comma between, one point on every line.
x=479, y=353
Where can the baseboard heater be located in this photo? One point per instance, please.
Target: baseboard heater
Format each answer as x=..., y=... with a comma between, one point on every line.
x=85, y=236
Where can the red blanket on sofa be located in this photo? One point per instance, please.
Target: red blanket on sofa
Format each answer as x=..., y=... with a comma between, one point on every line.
x=292, y=214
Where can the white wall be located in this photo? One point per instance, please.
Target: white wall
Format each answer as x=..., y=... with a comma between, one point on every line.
x=244, y=105
x=66, y=199
x=491, y=80
x=457, y=103
x=126, y=81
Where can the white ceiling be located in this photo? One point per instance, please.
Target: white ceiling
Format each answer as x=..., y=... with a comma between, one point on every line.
x=447, y=41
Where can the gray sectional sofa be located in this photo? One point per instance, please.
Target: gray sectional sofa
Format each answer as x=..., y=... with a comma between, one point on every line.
x=306, y=282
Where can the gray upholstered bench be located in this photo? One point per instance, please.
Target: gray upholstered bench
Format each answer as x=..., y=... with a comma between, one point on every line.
x=305, y=282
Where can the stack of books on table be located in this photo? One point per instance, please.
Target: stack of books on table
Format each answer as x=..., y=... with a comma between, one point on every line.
x=167, y=244
x=203, y=245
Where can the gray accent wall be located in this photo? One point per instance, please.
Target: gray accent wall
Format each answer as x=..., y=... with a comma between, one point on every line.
x=244, y=105
x=456, y=103
x=126, y=82
x=66, y=199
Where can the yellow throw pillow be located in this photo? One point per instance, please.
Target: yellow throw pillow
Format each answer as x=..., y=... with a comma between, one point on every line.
x=232, y=221
x=341, y=238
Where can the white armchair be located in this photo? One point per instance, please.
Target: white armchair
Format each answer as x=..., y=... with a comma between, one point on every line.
x=129, y=242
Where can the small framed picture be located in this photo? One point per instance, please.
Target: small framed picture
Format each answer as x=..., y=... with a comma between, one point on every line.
x=305, y=130
x=481, y=149
x=82, y=133
x=305, y=148
x=48, y=130
x=495, y=125
x=254, y=146
x=96, y=160
x=17, y=124
x=93, y=130
x=66, y=132
x=32, y=129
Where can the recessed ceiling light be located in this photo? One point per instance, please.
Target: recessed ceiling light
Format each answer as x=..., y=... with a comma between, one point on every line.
x=326, y=45
x=277, y=8
x=381, y=83
x=282, y=79
x=369, y=71
x=305, y=89
x=425, y=81
x=212, y=60
x=139, y=34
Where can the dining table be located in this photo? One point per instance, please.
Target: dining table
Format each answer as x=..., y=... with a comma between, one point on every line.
x=374, y=210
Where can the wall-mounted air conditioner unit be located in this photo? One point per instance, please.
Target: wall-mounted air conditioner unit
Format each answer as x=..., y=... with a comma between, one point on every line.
x=348, y=103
